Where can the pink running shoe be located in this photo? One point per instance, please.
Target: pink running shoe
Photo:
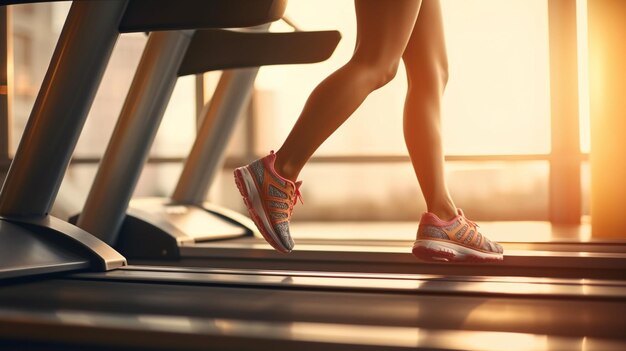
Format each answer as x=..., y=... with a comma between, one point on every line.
x=270, y=199
x=456, y=240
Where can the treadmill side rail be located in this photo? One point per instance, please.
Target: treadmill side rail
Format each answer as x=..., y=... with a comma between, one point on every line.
x=45, y=245
x=104, y=256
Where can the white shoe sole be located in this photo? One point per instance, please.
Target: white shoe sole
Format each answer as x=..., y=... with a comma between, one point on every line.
x=443, y=251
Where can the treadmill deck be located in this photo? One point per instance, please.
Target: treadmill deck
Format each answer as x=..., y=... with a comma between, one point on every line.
x=153, y=307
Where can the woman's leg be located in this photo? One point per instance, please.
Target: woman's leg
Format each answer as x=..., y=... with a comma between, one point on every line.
x=444, y=234
x=383, y=31
x=426, y=64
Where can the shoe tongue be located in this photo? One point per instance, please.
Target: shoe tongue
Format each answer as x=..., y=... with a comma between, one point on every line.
x=298, y=184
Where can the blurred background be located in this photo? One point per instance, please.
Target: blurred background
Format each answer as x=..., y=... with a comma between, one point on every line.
x=498, y=92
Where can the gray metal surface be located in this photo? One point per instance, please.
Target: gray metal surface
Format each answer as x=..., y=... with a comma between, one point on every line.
x=374, y=283
x=220, y=117
x=134, y=133
x=395, y=257
x=325, y=250
x=155, y=228
x=61, y=107
x=188, y=223
x=159, y=231
x=289, y=300
x=42, y=245
x=196, y=333
x=103, y=256
x=24, y=252
x=393, y=276
x=354, y=251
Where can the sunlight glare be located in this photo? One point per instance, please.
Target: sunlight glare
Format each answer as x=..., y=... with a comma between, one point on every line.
x=583, y=75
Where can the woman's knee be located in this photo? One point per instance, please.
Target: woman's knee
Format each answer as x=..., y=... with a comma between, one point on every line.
x=386, y=73
x=376, y=74
x=431, y=77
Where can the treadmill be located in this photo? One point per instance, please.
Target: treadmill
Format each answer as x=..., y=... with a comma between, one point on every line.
x=139, y=308
x=186, y=230
x=56, y=293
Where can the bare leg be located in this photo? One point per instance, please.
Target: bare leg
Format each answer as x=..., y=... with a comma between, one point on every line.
x=426, y=64
x=383, y=31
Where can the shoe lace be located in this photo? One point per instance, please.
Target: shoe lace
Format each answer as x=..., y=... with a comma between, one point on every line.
x=469, y=221
x=295, y=197
x=298, y=197
x=474, y=224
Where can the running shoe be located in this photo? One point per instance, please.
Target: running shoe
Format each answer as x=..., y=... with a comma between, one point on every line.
x=270, y=200
x=456, y=240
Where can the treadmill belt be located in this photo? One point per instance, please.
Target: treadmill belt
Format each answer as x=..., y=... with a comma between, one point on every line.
x=201, y=306
x=103, y=331
x=371, y=282
x=557, y=260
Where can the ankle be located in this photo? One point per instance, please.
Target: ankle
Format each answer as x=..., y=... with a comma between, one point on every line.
x=284, y=168
x=445, y=212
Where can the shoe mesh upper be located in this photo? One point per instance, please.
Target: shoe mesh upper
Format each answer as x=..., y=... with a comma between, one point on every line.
x=277, y=195
x=461, y=231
